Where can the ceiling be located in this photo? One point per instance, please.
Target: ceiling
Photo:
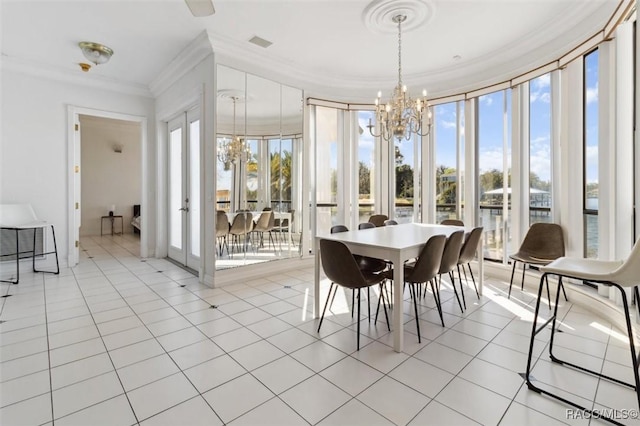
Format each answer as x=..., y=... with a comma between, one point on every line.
x=334, y=49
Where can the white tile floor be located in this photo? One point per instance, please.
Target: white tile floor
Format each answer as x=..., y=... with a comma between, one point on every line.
x=120, y=340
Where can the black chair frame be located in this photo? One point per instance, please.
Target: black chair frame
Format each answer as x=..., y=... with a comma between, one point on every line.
x=553, y=320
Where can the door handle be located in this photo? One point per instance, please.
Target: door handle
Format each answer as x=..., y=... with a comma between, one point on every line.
x=184, y=209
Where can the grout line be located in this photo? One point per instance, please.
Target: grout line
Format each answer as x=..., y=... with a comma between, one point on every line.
x=163, y=294
x=44, y=288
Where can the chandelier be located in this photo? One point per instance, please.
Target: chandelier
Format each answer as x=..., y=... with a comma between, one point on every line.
x=401, y=116
x=235, y=149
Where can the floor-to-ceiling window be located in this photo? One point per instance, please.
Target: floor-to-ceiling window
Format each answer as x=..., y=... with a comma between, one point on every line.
x=540, y=149
x=494, y=153
x=366, y=157
x=405, y=183
x=591, y=154
x=447, y=131
x=326, y=154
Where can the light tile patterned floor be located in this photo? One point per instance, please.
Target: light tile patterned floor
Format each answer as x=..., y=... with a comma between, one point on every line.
x=120, y=340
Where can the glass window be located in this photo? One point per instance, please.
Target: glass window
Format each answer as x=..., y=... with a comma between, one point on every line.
x=540, y=149
x=494, y=150
x=591, y=153
x=404, y=165
x=446, y=125
x=366, y=168
x=326, y=167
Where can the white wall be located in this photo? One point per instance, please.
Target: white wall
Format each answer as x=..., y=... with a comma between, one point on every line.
x=109, y=177
x=33, y=144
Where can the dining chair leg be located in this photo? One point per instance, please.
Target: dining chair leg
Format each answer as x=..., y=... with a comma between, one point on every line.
x=546, y=278
x=332, y=299
x=380, y=300
x=461, y=287
x=436, y=296
x=513, y=271
x=353, y=300
x=368, y=304
x=325, y=305
x=412, y=289
x=565, y=293
x=473, y=280
x=453, y=284
x=524, y=268
x=358, y=326
x=384, y=306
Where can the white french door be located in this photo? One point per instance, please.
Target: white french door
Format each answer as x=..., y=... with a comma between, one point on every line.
x=184, y=189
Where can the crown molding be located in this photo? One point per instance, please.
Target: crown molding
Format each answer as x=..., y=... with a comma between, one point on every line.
x=74, y=77
x=518, y=56
x=187, y=59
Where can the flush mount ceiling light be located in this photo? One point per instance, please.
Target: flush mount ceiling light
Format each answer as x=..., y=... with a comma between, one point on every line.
x=95, y=52
x=200, y=8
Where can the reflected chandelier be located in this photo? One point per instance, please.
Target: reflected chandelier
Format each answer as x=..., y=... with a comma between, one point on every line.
x=235, y=149
x=401, y=116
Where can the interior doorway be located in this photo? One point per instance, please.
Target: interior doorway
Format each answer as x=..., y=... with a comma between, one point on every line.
x=106, y=145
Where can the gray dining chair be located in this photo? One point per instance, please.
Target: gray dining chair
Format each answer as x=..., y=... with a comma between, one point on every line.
x=452, y=222
x=341, y=268
x=543, y=244
x=423, y=271
x=368, y=264
x=467, y=254
x=265, y=223
x=222, y=231
x=449, y=262
x=378, y=219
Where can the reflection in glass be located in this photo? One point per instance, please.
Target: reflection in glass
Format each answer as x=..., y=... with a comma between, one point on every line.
x=270, y=121
x=252, y=168
x=223, y=186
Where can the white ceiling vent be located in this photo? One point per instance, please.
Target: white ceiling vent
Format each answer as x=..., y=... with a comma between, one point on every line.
x=259, y=41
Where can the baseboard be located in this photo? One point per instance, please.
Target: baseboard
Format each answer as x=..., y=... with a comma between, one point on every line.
x=246, y=273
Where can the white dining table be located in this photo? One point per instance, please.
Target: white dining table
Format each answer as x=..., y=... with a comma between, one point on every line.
x=397, y=244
